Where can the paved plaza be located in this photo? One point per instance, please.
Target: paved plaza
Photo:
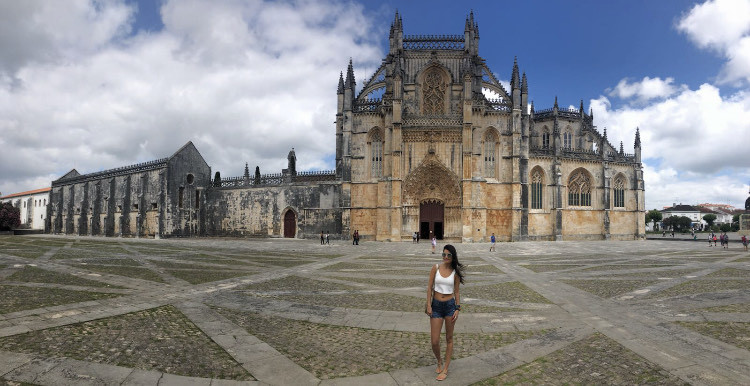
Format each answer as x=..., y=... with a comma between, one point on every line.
x=83, y=310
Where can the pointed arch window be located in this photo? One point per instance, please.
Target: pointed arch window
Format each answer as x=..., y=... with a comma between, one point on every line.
x=490, y=144
x=568, y=140
x=619, y=192
x=579, y=189
x=376, y=154
x=545, y=139
x=433, y=94
x=537, y=183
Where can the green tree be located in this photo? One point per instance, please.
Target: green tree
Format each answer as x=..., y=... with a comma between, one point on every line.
x=725, y=227
x=653, y=215
x=677, y=223
x=10, y=217
x=710, y=218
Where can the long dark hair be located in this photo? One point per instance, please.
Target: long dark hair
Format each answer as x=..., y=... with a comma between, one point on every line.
x=458, y=267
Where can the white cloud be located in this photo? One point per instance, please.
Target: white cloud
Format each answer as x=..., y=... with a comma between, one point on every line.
x=694, y=143
x=646, y=89
x=722, y=26
x=244, y=80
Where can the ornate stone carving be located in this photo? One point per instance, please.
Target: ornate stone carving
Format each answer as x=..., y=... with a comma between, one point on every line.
x=433, y=93
x=449, y=136
x=431, y=179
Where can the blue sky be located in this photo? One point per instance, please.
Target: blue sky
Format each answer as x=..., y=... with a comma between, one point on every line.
x=99, y=84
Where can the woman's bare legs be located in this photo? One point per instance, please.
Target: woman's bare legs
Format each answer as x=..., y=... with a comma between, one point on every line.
x=449, y=324
x=436, y=324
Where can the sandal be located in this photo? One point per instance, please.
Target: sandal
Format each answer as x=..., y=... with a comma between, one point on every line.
x=442, y=376
x=439, y=368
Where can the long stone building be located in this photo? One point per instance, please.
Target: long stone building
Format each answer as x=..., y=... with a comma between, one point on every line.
x=432, y=143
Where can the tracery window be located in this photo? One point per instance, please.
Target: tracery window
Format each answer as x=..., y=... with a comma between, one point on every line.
x=545, y=140
x=537, y=180
x=567, y=140
x=376, y=153
x=489, y=155
x=619, y=192
x=579, y=189
x=433, y=95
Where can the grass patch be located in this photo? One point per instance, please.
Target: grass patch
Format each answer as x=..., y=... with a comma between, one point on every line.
x=134, y=272
x=20, y=298
x=512, y=291
x=734, y=333
x=609, y=288
x=37, y=275
x=160, y=339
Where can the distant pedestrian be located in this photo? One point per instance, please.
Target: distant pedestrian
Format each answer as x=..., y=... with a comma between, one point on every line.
x=417, y=237
x=434, y=244
x=709, y=241
x=726, y=241
x=443, y=305
x=492, y=242
x=322, y=239
x=744, y=241
x=328, y=238
x=714, y=240
x=414, y=238
x=672, y=234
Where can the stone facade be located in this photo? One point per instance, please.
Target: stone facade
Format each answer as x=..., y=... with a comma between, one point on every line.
x=423, y=148
x=420, y=148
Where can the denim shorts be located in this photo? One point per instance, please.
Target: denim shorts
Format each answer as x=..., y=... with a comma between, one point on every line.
x=443, y=309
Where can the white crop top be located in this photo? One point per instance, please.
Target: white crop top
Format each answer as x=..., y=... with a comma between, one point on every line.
x=443, y=285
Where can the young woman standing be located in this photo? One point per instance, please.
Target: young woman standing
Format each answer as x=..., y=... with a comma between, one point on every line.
x=443, y=305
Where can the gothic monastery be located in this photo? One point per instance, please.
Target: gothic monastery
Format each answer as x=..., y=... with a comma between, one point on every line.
x=432, y=143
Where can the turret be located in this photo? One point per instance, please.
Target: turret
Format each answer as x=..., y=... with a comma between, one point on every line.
x=340, y=94
x=524, y=93
x=349, y=87
x=515, y=85
x=256, y=181
x=471, y=35
x=637, y=145
x=292, y=163
x=622, y=150
x=247, y=172
x=396, y=37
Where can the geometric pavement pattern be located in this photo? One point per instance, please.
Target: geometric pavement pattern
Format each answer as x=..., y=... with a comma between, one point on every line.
x=83, y=310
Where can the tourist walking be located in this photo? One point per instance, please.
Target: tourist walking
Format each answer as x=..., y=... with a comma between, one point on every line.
x=414, y=238
x=322, y=240
x=434, y=244
x=744, y=241
x=726, y=241
x=328, y=238
x=709, y=241
x=492, y=242
x=443, y=305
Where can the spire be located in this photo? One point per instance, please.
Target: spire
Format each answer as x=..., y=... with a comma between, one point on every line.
x=341, y=83
x=257, y=176
x=514, y=83
x=350, y=83
x=637, y=138
x=581, y=109
x=591, y=112
x=532, y=107
x=247, y=172
x=467, y=26
x=524, y=84
x=555, y=102
x=622, y=150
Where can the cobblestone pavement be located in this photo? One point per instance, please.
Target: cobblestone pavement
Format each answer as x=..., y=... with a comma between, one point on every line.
x=82, y=310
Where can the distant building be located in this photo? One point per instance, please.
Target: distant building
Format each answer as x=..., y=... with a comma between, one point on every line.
x=689, y=211
x=33, y=206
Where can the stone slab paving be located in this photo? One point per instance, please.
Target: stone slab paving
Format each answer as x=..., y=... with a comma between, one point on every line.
x=659, y=302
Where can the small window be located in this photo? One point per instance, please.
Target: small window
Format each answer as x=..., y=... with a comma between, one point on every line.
x=135, y=206
x=119, y=208
x=154, y=205
x=197, y=199
x=190, y=178
x=545, y=140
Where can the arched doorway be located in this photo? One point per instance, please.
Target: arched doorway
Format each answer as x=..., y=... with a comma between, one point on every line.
x=290, y=224
x=431, y=217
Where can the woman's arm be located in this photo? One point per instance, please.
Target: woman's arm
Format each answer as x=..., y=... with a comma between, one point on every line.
x=456, y=295
x=430, y=285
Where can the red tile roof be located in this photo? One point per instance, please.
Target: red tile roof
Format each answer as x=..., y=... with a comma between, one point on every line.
x=27, y=193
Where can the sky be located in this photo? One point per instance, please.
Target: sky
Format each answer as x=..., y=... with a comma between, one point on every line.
x=99, y=84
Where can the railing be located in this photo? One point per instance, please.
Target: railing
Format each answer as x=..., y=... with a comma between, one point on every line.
x=434, y=42
x=278, y=179
x=498, y=105
x=123, y=170
x=368, y=105
x=563, y=113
